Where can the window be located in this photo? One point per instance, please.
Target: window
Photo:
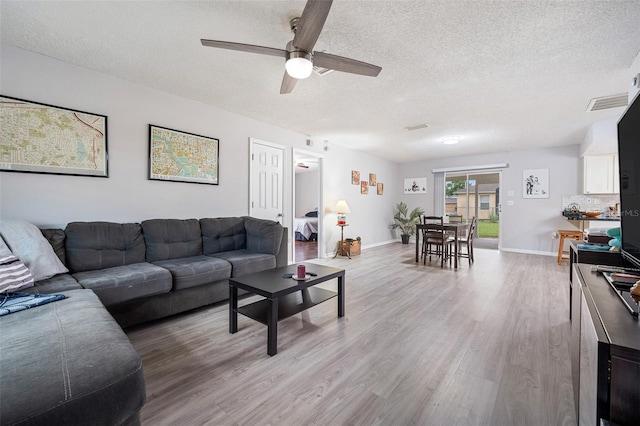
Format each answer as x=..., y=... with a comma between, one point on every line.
x=484, y=202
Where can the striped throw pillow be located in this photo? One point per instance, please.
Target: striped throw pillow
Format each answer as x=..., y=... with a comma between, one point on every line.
x=14, y=275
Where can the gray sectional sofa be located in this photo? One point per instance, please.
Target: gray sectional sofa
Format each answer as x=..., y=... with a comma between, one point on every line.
x=79, y=362
x=161, y=267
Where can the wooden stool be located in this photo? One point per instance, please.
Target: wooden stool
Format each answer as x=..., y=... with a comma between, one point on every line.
x=572, y=235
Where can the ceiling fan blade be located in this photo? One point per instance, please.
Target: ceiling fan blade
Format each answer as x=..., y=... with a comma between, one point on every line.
x=338, y=63
x=311, y=22
x=288, y=83
x=244, y=47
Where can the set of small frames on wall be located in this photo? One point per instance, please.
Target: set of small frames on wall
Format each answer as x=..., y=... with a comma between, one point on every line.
x=364, y=184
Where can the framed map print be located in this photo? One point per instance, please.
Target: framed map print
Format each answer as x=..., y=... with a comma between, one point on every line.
x=40, y=138
x=182, y=157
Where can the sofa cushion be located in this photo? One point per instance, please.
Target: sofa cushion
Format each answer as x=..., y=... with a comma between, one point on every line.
x=56, y=238
x=123, y=283
x=68, y=363
x=100, y=245
x=263, y=236
x=55, y=284
x=222, y=234
x=29, y=245
x=196, y=270
x=172, y=238
x=245, y=262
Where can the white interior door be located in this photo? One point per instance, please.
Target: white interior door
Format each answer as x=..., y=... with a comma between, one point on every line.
x=267, y=181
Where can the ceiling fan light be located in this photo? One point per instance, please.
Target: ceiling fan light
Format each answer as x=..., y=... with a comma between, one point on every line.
x=450, y=140
x=299, y=67
x=299, y=64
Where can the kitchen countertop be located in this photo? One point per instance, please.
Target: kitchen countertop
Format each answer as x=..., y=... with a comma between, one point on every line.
x=598, y=218
x=579, y=222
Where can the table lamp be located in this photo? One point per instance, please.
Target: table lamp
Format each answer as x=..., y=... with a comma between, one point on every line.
x=342, y=208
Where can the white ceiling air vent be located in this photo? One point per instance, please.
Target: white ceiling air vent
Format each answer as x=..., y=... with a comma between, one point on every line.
x=321, y=71
x=416, y=127
x=606, y=102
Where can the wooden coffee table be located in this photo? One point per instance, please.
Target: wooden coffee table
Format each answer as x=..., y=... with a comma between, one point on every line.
x=284, y=297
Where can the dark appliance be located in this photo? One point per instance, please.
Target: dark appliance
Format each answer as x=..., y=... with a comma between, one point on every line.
x=629, y=162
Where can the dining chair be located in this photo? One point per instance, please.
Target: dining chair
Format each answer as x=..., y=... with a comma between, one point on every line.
x=436, y=240
x=467, y=242
x=454, y=218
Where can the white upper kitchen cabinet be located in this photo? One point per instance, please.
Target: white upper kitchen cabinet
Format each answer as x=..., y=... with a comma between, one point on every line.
x=601, y=174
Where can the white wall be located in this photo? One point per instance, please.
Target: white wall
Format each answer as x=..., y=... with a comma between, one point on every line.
x=127, y=195
x=306, y=192
x=634, y=70
x=371, y=214
x=602, y=137
x=528, y=223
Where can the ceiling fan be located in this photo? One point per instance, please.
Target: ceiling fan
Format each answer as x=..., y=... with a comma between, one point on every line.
x=299, y=54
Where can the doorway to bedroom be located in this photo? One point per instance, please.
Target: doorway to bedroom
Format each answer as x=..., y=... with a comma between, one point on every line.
x=307, y=205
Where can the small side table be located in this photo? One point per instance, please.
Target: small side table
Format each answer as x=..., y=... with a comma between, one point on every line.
x=342, y=251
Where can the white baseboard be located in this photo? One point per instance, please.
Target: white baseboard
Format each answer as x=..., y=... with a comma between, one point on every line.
x=368, y=246
x=536, y=252
x=383, y=243
x=412, y=243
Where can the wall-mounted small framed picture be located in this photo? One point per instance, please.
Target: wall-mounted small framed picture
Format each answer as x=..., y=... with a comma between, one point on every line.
x=372, y=179
x=415, y=185
x=535, y=183
x=355, y=177
x=380, y=188
x=364, y=187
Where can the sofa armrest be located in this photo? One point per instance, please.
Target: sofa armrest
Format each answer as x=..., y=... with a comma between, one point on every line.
x=263, y=236
x=282, y=258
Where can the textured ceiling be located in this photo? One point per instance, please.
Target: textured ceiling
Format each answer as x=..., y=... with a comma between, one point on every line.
x=502, y=75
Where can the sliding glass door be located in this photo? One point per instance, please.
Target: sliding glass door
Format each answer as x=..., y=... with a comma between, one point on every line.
x=475, y=194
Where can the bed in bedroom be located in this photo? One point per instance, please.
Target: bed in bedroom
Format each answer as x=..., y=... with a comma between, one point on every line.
x=306, y=228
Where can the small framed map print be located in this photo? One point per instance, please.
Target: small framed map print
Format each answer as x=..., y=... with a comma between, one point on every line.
x=40, y=138
x=182, y=157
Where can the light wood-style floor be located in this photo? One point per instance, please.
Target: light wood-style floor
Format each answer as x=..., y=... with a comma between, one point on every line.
x=481, y=345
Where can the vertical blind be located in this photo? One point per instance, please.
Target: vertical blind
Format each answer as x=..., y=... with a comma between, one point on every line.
x=438, y=193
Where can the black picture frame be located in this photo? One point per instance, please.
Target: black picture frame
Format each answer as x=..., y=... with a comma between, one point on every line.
x=49, y=139
x=178, y=156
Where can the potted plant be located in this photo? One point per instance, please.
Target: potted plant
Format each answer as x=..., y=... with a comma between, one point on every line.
x=406, y=221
